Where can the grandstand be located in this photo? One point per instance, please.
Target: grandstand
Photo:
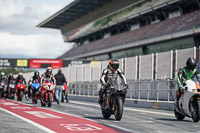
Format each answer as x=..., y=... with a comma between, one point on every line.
x=102, y=29
x=151, y=38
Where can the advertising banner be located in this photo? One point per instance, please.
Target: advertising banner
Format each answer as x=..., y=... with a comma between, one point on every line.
x=14, y=63
x=44, y=63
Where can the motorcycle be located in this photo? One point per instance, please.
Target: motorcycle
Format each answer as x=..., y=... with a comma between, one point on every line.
x=114, y=98
x=47, y=92
x=35, y=91
x=29, y=93
x=64, y=93
x=3, y=90
x=20, y=90
x=11, y=89
x=189, y=102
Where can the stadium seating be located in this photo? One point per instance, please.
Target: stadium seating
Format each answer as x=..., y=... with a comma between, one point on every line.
x=168, y=26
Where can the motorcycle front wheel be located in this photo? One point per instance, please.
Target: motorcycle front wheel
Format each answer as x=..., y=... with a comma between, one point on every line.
x=118, y=109
x=196, y=110
x=49, y=100
x=20, y=93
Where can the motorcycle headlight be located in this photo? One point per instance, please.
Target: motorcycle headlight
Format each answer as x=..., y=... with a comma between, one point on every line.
x=194, y=90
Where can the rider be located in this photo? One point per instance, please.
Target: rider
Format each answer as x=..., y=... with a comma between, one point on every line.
x=3, y=80
x=3, y=77
x=35, y=77
x=184, y=74
x=11, y=80
x=111, y=70
x=48, y=74
x=20, y=78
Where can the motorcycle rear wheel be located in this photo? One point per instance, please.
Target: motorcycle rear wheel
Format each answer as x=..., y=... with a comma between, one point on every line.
x=49, y=100
x=105, y=114
x=66, y=97
x=118, y=109
x=178, y=115
x=63, y=95
x=43, y=104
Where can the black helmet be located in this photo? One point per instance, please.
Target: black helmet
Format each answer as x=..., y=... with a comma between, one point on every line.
x=114, y=64
x=191, y=64
x=36, y=73
x=10, y=75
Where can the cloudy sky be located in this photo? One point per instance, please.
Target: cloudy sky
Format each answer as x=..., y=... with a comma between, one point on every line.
x=19, y=36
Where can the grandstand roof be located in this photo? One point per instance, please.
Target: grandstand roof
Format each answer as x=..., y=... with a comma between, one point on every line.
x=71, y=12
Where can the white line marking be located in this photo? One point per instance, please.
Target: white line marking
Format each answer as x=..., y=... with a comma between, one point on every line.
x=117, y=127
x=29, y=121
x=127, y=108
x=42, y=114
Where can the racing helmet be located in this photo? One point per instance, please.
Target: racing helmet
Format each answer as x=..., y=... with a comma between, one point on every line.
x=20, y=75
x=3, y=75
x=49, y=71
x=191, y=64
x=36, y=74
x=10, y=75
x=114, y=64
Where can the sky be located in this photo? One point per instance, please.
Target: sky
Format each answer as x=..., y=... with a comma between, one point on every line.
x=19, y=36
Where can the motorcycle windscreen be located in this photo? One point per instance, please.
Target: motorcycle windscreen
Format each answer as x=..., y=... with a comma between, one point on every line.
x=118, y=83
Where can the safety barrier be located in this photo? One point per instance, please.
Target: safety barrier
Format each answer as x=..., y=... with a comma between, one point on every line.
x=157, y=90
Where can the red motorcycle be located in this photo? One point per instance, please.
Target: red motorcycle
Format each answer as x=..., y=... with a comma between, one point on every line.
x=46, y=93
x=64, y=93
x=20, y=90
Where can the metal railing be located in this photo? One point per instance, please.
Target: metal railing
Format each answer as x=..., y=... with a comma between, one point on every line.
x=156, y=90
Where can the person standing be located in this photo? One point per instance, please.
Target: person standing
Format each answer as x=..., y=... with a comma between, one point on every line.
x=60, y=80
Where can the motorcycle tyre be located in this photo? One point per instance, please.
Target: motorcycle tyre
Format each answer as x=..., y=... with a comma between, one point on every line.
x=49, y=100
x=66, y=97
x=63, y=95
x=119, y=109
x=105, y=114
x=20, y=95
x=195, y=115
x=178, y=115
x=43, y=104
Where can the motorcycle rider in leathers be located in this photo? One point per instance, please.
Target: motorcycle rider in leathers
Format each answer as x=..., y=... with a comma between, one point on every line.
x=184, y=74
x=111, y=70
x=3, y=79
x=35, y=77
x=10, y=80
x=48, y=74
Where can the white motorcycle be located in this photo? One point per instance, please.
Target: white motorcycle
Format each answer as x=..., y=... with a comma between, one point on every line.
x=189, y=102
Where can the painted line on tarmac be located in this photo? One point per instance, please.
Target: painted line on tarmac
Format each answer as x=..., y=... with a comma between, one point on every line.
x=68, y=123
x=126, y=108
x=79, y=116
x=29, y=121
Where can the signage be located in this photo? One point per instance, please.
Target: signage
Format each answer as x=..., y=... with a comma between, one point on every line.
x=22, y=63
x=44, y=63
x=4, y=63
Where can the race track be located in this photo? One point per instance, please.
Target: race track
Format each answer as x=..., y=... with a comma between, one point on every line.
x=77, y=116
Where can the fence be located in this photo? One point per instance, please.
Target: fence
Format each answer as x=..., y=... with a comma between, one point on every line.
x=150, y=77
x=157, y=90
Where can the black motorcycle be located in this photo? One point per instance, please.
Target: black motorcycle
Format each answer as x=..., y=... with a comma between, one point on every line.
x=114, y=98
x=11, y=89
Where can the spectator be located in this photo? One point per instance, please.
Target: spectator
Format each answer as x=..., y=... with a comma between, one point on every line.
x=60, y=80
